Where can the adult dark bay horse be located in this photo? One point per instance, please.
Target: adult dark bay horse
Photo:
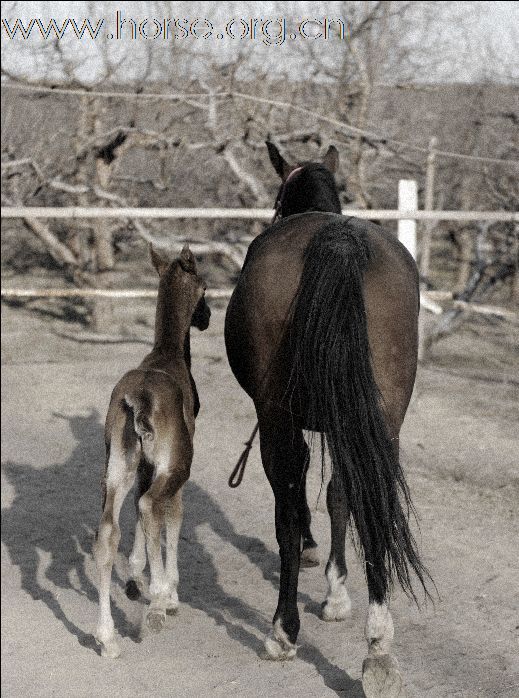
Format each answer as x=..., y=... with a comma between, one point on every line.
x=321, y=332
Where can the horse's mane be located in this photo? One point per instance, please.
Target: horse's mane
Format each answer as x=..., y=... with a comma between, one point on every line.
x=312, y=189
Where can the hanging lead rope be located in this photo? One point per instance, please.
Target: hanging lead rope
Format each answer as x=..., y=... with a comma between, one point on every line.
x=237, y=474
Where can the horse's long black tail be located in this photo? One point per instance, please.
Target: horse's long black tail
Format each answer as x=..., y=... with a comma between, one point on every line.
x=333, y=369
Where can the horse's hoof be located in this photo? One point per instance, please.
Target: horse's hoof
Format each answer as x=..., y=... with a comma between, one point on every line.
x=277, y=645
x=336, y=609
x=309, y=557
x=381, y=677
x=155, y=620
x=132, y=590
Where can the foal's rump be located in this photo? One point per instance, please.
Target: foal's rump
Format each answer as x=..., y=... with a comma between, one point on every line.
x=148, y=408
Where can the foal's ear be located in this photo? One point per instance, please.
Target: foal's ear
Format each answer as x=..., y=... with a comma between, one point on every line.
x=331, y=159
x=278, y=161
x=187, y=260
x=158, y=262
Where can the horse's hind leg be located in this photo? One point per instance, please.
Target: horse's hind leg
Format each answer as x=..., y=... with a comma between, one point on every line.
x=309, y=555
x=282, y=454
x=120, y=475
x=337, y=604
x=381, y=677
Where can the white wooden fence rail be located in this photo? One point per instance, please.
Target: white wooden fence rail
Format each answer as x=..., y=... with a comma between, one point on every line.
x=263, y=214
x=407, y=214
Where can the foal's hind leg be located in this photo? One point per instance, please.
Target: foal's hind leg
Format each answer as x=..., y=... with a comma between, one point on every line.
x=282, y=452
x=151, y=508
x=137, y=559
x=172, y=465
x=337, y=604
x=120, y=475
x=173, y=518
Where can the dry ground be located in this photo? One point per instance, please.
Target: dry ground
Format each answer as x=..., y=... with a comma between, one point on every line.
x=460, y=452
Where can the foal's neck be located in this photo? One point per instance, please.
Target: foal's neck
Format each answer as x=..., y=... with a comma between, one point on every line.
x=172, y=325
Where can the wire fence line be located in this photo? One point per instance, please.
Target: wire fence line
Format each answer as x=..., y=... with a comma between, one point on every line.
x=354, y=130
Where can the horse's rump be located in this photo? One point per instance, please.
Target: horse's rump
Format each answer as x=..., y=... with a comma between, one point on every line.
x=259, y=316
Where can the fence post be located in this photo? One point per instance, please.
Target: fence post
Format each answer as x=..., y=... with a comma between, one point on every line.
x=407, y=201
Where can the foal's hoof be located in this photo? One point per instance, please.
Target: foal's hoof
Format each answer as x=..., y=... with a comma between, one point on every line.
x=381, y=677
x=132, y=590
x=277, y=645
x=172, y=604
x=155, y=620
x=309, y=557
x=109, y=649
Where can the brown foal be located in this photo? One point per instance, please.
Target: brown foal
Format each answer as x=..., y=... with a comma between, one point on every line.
x=149, y=437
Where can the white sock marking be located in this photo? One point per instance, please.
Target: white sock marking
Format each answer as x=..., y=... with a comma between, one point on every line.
x=379, y=629
x=337, y=604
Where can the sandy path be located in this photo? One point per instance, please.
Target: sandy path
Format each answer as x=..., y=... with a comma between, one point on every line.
x=459, y=448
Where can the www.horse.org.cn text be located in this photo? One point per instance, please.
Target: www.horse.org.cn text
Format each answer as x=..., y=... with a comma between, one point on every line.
x=271, y=32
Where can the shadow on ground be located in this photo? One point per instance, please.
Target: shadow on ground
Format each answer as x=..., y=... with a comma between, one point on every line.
x=55, y=512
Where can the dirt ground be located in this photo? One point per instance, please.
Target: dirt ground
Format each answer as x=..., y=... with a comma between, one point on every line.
x=460, y=451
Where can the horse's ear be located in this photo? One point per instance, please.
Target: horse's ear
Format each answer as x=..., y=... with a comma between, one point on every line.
x=278, y=161
x=187, y=259
x=158, y=262
x=331, y=159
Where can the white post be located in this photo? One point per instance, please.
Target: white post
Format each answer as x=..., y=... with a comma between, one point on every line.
x=407, y=201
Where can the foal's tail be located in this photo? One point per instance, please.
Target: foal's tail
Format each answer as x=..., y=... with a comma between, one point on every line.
x=333, y=368
x=140, y=402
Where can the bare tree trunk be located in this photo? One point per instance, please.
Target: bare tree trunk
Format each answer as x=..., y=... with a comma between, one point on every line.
x=425, y=257
x=58, y=251
x=102, y=250
x=515, y=280
x=102, y=231
x=85, y=131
